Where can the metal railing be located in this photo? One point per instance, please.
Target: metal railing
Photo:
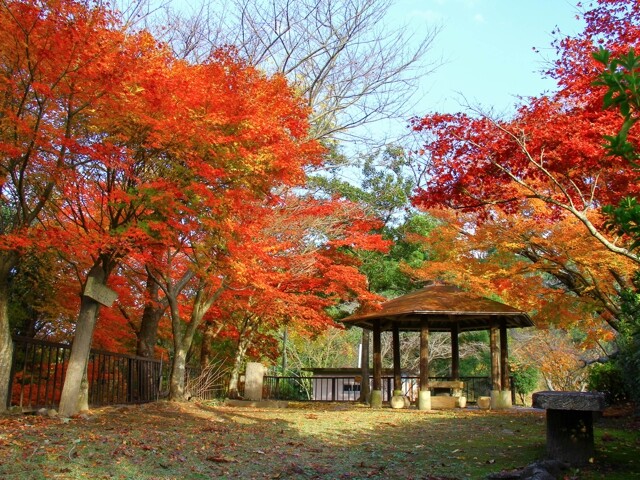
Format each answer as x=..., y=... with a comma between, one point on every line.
x=38, y=370
x=347, y=388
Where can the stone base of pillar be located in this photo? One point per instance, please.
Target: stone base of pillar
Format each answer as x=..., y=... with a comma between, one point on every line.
x=424, y=400
x=505, y=399
x=495, y=399
x=376, y=398
x=500, y=399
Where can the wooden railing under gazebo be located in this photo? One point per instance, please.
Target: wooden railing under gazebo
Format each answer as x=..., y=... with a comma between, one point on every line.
x=442, y=308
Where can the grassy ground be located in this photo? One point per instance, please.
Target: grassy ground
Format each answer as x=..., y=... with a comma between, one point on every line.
x=328, y=441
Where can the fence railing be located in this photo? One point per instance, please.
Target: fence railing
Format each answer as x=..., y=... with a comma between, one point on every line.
x=347, y=388
x=38, y=370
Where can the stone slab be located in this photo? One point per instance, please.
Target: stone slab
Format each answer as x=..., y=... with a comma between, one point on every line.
x=446, y=384
x=253, y=381
x=580, y=401
x=441, y=402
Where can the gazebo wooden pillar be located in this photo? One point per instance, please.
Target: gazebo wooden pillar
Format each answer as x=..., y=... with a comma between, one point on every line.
x=424, y=394
x=397, y=376
x=376, y=391
x=495, y=358
x=500, y=391
x=455, y=352
x=505, y=387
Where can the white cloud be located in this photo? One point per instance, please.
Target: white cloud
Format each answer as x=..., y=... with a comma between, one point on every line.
x=478, y=18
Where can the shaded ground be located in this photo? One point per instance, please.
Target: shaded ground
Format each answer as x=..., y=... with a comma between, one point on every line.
x=328, y=441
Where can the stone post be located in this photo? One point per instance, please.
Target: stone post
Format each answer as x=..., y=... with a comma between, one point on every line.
x=570, y=424
x=253, y=381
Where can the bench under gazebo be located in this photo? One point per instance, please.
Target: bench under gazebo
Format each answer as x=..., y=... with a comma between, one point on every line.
x=442, y=308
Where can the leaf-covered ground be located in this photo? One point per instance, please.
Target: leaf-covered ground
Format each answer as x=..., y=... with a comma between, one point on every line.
x=328, y=441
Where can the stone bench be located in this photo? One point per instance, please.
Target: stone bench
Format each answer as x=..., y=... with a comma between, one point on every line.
x=447, y=394
x=446, y=386
x=570, y=424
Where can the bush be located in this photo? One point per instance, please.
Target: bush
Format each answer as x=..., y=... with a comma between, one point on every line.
x=608, y=378
x=628, y=362
x=525, y=379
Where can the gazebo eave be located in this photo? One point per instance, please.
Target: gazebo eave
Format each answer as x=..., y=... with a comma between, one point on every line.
x=441, y=321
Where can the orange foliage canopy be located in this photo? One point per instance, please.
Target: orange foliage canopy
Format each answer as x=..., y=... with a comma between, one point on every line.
x=527, y=191
x=551, y=150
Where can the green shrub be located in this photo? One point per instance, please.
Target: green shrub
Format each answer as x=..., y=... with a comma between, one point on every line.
x=608, y=378
x=525, y=379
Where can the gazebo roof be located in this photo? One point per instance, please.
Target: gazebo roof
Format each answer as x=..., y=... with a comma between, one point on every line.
x=441, y=307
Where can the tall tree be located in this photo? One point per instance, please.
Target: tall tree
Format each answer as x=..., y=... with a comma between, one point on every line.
x=60, y=62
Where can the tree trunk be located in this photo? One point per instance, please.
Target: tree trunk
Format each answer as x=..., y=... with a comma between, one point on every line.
x=8, y=260
x=70, y=398
x=153, y=311
x=183, y=335
x=6, y=345
x=211, y=332
x=234, y=381
x=178, y=372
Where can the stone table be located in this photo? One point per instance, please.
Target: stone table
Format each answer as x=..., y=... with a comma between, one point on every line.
x=570, y=423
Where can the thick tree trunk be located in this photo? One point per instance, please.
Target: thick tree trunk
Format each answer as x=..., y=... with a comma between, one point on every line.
x=80, y=348
x=71, y=398
x=8, y=260
x=177, y=380
x=6, y=345
x=153, y=311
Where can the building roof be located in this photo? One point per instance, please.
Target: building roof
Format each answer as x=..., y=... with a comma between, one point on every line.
x=442, y=307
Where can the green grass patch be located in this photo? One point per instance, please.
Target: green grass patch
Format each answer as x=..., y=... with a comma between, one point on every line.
x=306, y=441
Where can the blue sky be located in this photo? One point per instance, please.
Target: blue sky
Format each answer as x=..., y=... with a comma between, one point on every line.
x=488, y=48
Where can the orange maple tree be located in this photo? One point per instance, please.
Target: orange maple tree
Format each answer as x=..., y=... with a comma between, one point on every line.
x=534, y=184
x=552, y=149
x=61, y=63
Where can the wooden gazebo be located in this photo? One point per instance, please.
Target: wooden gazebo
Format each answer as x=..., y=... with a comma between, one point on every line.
x=441, y=308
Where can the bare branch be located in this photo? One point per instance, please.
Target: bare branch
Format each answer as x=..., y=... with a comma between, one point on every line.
x=351, y=68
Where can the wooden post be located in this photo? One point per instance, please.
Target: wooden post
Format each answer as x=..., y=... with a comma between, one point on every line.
x=504, y=357
x=424, y=395
x=376, y=393
x=495, y=366
x=495, y=358
x=365, y=386
x=397, y=378
x=455, y=352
